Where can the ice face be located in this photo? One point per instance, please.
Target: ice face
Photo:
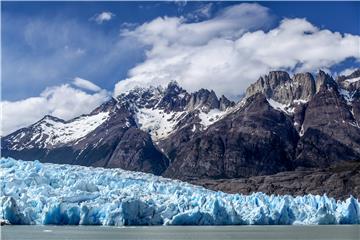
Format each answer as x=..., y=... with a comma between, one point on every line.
x=36, y=193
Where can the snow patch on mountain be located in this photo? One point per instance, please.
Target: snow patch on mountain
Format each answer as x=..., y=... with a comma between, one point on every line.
x=211, y=117
x=157, y=122
x=286, y=108
x=51, y=131
x=59, y=132
x=352, y=80
x=347, y=95
x=36, y=193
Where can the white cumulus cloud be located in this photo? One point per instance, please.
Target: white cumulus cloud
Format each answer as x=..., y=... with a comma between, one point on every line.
x=231, y=50
x=61, y=101
x=103, y=17
x=86, y=84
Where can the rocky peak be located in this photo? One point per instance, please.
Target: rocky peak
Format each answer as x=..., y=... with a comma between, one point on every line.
x=204, y=99
x=277, y=77
x=141, y=97
x=174, y=98
x=225, y=103
x=279, y=87
x=268, y=83
x=173, y=88
x=324, y=80
x=303, y=86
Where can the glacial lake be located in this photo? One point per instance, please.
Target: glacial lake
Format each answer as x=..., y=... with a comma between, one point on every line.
x=338, y=232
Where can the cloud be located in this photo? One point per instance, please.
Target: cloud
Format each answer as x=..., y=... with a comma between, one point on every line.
x=230, y=23
x=202, y=12
x=347, y=71
x=231, y=50
x=61, y=101
x=102, y=17
x=86, y=84
x=129, y=25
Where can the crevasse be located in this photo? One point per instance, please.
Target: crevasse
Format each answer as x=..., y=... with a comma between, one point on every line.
x=36, y=193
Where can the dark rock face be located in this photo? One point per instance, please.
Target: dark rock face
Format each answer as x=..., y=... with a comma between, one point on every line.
x=174, y=99
x=330, y=132
x=303, y=86
x=350, y=90
x=324, y=81
x=355, y=105
x=204, y=98
x=293, y=93
x=253, y=140
x=225, y=103
x=135, y=151
x=339, y=181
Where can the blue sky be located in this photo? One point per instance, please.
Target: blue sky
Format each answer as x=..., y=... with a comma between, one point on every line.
x=88, y=51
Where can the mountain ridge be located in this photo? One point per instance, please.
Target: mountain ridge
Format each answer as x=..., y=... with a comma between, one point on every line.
x=282, y=124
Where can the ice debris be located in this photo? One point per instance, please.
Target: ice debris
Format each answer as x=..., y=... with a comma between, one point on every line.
x=36, y=193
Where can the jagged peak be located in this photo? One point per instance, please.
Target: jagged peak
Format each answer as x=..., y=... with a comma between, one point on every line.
x=173, y=85
x=279, y=74
x=173, y=88
x=140, y=90
x=324, y=80
x=306, y=75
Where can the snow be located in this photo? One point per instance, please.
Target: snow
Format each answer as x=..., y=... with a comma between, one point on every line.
x=36, y=193
x=211, y=117
x=348, y=96
x=157, y=122
x=194, y=128
x=352, y=80
x=300, y=101
x=281, y=107
x=70, y=131
x=161, y=124
x=52, y=132
x=277, y=105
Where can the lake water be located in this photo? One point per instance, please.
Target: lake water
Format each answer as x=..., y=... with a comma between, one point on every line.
x=338, y=232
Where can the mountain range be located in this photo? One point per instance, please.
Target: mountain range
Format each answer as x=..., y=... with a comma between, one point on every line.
x=289, y=135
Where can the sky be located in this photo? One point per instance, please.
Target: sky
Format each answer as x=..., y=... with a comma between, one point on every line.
x=65, y=58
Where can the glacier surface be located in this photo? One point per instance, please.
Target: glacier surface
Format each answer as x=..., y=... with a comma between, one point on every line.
x=37, y=193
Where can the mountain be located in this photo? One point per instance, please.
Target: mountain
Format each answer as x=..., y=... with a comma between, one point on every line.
x=284, y=128
x=107, y=137
x=121, y=132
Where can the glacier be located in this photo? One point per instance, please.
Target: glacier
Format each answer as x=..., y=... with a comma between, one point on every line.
x=45, y=193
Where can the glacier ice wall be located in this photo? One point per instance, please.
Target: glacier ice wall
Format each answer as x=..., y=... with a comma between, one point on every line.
x=36, y=193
